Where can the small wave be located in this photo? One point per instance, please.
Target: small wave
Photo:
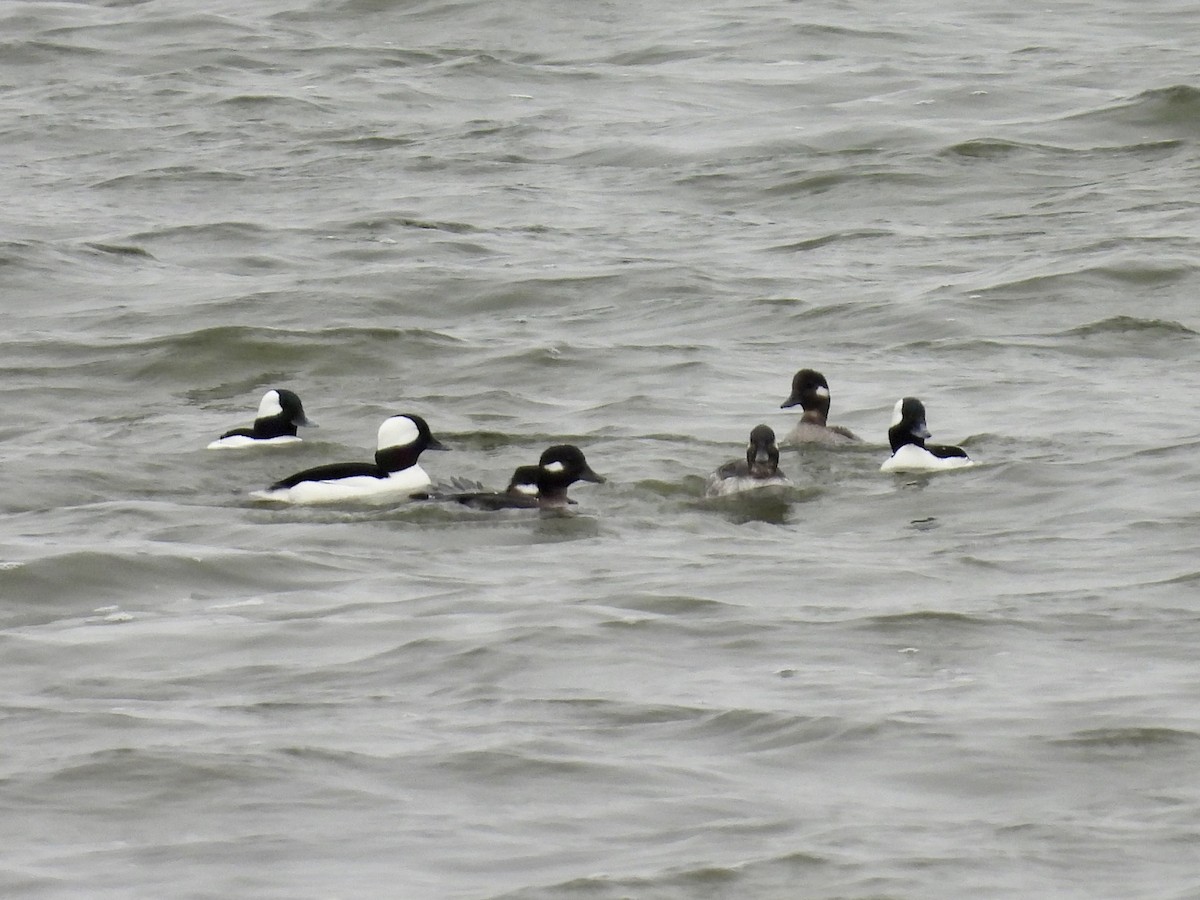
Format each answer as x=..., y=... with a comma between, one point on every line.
x=994, y=148
x=120, y=250
x=759, y=731
x=825, y=240
x=238, y=232
x=1129, y=739
x=924, y=620
x=1124, y=325
x=376, y=223
x=42, y=52
x=89, y=577
x=194, y=356
x=256, y=103
x=1174, y=110
x=175, y=175
x=1110, y=276
x=997, y=148
x=656, y=55
x=811, y=185
x=777, y=876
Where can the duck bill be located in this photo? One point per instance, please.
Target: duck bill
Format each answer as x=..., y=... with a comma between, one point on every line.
x=435, y=444
x=305, y=422
x=790, y=402
x=920, y=431
x=588, y=475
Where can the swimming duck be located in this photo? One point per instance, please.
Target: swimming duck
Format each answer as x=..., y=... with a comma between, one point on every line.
x=810, y=391
x=907, y=436
x=394, y=476
x=758, y=470
x=279, y=413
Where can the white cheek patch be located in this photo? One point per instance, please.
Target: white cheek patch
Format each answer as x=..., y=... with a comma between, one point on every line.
x=896, y=414
x=270, y=405
x=397, y=432
x=822, y=392
x=554, y=467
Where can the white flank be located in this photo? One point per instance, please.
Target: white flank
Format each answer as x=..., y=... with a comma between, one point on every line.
x=237, y=441
x=911, y=458
x=357, y=489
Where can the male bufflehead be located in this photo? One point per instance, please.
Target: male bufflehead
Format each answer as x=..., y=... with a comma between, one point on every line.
x=810, y=391
x=910, y=453
x=278, y=415
x=759, y=469
x=394, y=476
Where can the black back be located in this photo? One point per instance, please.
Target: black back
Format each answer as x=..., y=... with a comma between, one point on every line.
x=331, y=472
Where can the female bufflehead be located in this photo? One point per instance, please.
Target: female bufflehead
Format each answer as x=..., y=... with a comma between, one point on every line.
x=810, y=391
x=395, y=474
x=910, y=453
x=278, y=415
x=759, y=469
x=559, y=467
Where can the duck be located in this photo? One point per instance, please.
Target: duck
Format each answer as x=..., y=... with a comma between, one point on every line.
x=760, y=468
x=910, y=453
x=394, y=476
x=279, y=413
x=810, y=391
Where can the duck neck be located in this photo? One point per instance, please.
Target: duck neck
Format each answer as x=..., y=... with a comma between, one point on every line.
x=396, y=459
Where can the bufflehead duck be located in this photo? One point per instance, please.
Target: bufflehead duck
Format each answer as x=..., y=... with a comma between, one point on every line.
x=810, y=391
x=759, y=469
x=395, y=474
x=910, y=453
x=278, y=415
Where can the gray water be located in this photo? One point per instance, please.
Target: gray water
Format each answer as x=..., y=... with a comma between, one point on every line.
x=623, y=226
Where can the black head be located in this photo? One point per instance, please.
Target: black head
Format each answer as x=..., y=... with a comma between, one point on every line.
x=560, y=467
x=293, y=409
x=908, y=424
x=810, y=391
x=279, y=412
x=762, y=455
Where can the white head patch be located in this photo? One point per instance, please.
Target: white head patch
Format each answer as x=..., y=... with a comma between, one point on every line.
x=397, y=432
x=554, y=467
x=270, y=405
x=822, y=391
x=897, y=415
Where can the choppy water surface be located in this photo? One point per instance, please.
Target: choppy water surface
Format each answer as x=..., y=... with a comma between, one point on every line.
x=624, y=227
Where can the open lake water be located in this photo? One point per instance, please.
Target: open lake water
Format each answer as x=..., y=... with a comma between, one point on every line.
x=623, y=226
